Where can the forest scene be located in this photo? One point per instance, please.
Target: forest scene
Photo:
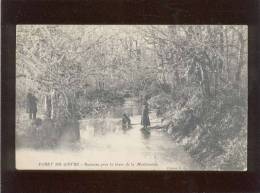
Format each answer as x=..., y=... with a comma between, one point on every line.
x=172, y=95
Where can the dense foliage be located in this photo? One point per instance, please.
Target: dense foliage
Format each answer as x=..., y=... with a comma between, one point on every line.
x=195, y=76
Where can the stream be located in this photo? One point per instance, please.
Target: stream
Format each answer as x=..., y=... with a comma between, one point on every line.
x=105, y=146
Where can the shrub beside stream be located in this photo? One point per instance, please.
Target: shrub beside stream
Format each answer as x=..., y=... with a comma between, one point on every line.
x=213, y=131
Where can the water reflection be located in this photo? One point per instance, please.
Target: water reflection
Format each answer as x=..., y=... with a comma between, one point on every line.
x=145, y=133
x=103, y=140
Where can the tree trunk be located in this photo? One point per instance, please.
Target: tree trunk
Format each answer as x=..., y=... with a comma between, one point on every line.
x=227, y=54
x=241, y=57
x=205, y=82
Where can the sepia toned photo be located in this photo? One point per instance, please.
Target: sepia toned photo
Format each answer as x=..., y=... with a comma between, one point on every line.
x=131, y=97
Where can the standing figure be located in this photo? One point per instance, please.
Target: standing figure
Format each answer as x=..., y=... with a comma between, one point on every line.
x=145, y=116
x=31, y=105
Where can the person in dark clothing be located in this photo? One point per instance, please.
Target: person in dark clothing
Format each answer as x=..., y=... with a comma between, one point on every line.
x=126, y=122
x=145, y=116
x=31, y=105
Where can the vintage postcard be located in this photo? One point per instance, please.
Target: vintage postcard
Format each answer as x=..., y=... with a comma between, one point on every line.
x=131, y=97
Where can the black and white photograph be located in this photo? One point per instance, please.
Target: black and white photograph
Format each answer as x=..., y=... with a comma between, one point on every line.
x=131, y=97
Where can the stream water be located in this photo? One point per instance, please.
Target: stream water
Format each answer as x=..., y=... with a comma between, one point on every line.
x=105, y=146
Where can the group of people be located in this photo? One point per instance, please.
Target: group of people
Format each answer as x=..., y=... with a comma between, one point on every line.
x=145, y=120
x=31, y=109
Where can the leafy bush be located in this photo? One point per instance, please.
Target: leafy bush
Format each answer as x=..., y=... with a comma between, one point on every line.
x=97, y=103
x=161, y=102
x=213, y=131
